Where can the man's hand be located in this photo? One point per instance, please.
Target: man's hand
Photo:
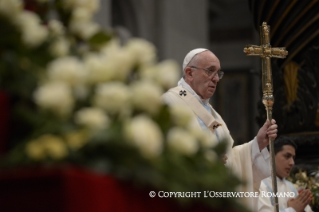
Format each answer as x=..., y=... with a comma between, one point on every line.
x=224, y=158
x=265, y=132
x=301, y=201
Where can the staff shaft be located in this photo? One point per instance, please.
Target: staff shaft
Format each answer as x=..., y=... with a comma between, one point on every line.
x=273, y=167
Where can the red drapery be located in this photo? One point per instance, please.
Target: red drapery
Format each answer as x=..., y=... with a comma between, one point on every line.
x=72, y=189
x=4, y=120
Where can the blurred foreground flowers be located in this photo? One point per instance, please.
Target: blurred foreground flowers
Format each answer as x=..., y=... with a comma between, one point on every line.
x=302, y=180
x=80, y=97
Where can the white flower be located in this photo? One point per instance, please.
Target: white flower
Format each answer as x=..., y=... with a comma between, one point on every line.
x=145, y=134
x=56, y=28
x=84, y=29
x=113, y=45
x=92, y=118
x=35, y=150
x=146, y=96
x=211, y=155
x=46, y=145
x=54, y=146
x=181, y=115
x=60, y=47
x=55, y=96
x=98, y=69
x=82, y=15
x=33, y=33
x=68, y=69
x=143, y=51
x=113, y=97
x=122, y=62
x=76, y=139
x=91, y=5
x=204, y=137
x=182, y=141
x=10, y=8
x=148, y=72
x=167, y=74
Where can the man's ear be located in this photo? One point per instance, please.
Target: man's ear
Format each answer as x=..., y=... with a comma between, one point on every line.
x=188, y=73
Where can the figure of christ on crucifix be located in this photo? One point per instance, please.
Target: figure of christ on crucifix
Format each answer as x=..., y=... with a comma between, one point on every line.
x=266, y=52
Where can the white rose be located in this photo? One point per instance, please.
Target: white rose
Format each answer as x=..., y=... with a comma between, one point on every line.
x=145, y=134
x=47, y=145
x=54, y=146
x=113, y=45
x=122, y=62
x=76, y=139
x=10, y=8
x=34, y=36
x=35, y=150
x=167, y=74
x=33, y=33
x=81, y=14
x=146, y=96
x=56, y=28
x=84, y=29
x=210, y=155
x=92, y=118
x=120, y=59
x=98, y=69
x=148, y=73
x=113, y=97
x=204, y=137
x=143, y=51
x=67, y=69
x=181, y=115
x=91, y=5
x=55, y=96
x=182, y=141
x=60, y=47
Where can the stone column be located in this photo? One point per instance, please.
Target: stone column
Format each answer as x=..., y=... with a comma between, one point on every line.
x=183, y=27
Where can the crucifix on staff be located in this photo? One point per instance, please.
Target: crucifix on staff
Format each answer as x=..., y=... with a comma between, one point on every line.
x=266, y=52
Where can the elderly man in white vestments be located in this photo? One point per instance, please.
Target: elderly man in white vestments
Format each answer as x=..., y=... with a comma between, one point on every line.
x=285, y=151
x=250, y=161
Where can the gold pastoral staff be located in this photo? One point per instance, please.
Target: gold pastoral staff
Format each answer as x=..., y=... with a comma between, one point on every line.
x=266, y=52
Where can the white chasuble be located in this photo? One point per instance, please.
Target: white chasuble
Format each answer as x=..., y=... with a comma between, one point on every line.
x=249, y=163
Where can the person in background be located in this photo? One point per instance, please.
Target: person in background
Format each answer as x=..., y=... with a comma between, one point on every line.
x=285, y=152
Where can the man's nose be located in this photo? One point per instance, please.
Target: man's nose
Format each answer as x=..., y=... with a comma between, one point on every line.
x=215, y=78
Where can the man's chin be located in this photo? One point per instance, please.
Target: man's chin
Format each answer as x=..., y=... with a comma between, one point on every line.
x=210, y=92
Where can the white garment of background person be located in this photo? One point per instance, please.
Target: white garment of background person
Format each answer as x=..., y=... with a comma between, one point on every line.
x=265, y=203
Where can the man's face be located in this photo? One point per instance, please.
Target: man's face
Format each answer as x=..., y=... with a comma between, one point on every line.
x=203, y=84
x=285, y=161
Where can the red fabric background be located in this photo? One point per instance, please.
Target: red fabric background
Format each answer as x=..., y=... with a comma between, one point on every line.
x=4, y=120
x=72, y=189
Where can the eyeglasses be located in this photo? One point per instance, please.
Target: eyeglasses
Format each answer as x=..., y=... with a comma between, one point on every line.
x=211, y=72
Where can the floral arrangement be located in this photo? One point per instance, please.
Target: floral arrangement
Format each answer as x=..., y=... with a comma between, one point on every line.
x=81, y=97
x=302, y=180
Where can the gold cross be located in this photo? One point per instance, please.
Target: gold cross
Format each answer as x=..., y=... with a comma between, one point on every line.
x=266, y=52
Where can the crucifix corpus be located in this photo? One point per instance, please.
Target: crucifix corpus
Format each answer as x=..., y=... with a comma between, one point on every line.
x=266, y=53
